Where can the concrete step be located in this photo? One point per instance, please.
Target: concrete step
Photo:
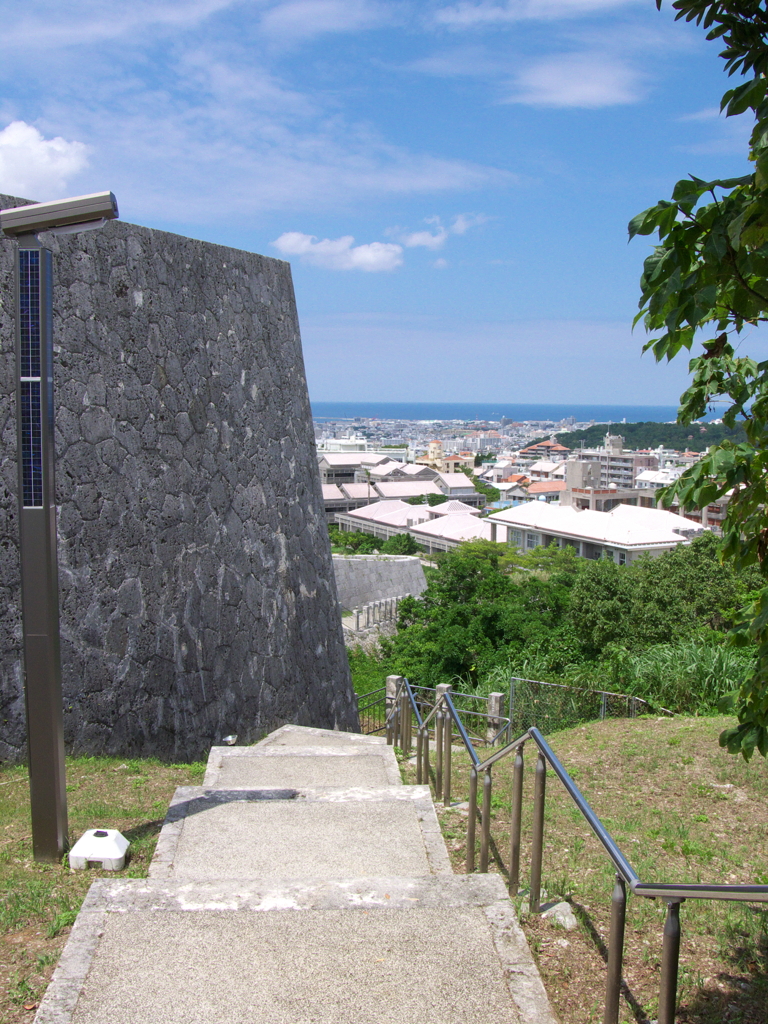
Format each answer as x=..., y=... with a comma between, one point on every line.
x=338, y=765
x=445, y=949
x=299, y=833
x=303, y=736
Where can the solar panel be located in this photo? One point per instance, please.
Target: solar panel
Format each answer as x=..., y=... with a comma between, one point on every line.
x=30, y=411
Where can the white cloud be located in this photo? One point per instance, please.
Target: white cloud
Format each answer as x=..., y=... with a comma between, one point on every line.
x=440, y=264
x=340, y=253
x=34, y=167
x=300, y=19
x=44, y=26
x=439, y=234
x=587, y=80
x=725, y=134
x=467, y=15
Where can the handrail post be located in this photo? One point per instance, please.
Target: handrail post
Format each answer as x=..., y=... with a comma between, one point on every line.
x=471, y=821
x=425, y=756
x=447, y=739
x=485, y=821
x=438, y=754
x=390, y=704
x=670, y=959
x=517, y=816
x=405, y=715
x=615, y=952
x=419, y=752
x=537, y=838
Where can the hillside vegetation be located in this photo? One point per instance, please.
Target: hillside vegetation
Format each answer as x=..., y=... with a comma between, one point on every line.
x=695, y=437
x=656, y=629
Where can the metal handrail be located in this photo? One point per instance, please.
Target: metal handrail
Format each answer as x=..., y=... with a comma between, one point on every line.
x=673, y=893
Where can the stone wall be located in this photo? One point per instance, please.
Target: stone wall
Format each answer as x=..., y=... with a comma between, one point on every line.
x=361, y=579
x=197, y=590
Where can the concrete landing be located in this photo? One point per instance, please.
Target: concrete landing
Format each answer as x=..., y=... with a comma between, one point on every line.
x=322, y=833
x=301, y=884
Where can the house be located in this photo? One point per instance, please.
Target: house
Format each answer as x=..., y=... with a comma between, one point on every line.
x=622, y=534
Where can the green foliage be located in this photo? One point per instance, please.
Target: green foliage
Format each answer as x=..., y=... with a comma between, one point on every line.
x=491, y=493
x=656, y=600
x=679, y=436
x=709, y=273
x=400, y=544
x=687, y=677
x=354, y=542
x=436, y=499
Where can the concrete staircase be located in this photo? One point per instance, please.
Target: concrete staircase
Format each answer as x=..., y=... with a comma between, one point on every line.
x=302, y=883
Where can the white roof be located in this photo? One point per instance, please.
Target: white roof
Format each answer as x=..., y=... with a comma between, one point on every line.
x=407, y=488
x=457, y=528
x=392, y=513
x=543, y=466
x=331, y=492
x=411, y=470
x=351, y=458
x=358, y=491
x=624, y=525
x=453, y=508
x=660, y=476
x=456, y=480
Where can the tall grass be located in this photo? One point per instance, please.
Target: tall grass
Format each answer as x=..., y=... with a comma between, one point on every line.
x=687, y=677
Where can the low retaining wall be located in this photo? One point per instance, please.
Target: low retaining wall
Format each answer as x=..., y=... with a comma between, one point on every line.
x=363, y=579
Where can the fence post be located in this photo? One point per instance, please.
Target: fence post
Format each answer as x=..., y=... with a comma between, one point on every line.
x=517, y=813
x=443, y=723
x=425, y=756
x=615, y=952
x=389, y=703
x=495, y=702
x=471, y=821
x=438, y=754
x=511, y=708
x=537, y=837
x=603, y=705
x=485, y=820
x=419, y=749
x=670, y=958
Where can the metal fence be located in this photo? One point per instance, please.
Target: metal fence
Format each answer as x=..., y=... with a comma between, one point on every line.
x=447, y=722
x=555, y=706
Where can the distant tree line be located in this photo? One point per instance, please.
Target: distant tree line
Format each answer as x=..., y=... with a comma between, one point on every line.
x=695, y=437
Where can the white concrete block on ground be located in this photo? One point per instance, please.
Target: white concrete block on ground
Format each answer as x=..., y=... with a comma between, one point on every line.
x=103, y=846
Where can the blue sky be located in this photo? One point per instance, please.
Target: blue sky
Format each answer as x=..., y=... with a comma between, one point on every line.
x=451, y=181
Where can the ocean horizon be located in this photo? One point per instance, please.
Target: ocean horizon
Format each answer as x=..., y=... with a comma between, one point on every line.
x=493, y=411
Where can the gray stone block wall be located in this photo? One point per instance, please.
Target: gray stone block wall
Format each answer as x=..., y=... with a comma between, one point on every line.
x=361, y=579
x=197, y=590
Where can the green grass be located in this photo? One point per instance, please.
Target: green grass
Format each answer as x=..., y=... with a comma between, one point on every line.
x=39, y=902
x=682, y=810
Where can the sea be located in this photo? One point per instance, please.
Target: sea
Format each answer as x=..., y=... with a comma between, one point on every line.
x=483, y=411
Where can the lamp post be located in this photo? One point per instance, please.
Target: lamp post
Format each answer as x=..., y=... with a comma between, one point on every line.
x=37, y=503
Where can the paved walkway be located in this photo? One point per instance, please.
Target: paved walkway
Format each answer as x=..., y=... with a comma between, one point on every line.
x=302, y=883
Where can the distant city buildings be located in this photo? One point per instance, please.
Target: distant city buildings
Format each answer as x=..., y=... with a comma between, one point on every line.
x=600, y=501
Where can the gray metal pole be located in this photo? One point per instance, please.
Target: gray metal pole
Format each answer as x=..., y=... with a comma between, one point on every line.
x=485, y=820
x=447, y=738
x=438, y=754
x=419, y=749
x=670, y=959
x=537, y=837
x=517, y=816
x=39, y=561
x=615, y=952
x=471, y=821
